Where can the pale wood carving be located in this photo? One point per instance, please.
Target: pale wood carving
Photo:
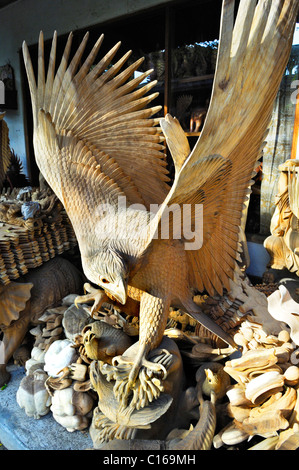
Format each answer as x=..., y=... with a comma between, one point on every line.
x=95, y=141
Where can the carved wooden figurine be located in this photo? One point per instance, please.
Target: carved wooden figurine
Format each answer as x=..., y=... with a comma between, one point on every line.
x=283, y=243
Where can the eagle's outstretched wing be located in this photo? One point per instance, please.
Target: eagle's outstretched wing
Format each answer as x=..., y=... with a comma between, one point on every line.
x=252, y=57
x=94, y=135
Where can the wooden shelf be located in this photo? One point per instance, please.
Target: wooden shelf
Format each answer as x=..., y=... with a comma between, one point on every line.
x=200, y=78
x=179, y=84
x=192, y=134
x=191, y=83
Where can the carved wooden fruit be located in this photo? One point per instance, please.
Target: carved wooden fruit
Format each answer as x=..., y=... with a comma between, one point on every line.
x=36, y=361
x=59, y=355
x=33, y=396
x=291, y=375
x=71, y=409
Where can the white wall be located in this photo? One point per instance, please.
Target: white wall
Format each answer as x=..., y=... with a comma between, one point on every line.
x=24, y=19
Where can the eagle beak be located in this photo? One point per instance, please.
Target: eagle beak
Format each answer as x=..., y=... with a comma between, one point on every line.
x=120, y=291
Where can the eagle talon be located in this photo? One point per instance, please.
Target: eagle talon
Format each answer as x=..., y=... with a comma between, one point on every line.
x=154, y=367
x=120, y=360
x=139, y=380
x=97, y=295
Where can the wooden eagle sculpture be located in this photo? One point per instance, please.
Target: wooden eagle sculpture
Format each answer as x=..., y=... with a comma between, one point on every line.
x=96, y=143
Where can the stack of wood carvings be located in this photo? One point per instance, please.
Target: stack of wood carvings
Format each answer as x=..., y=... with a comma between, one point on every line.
x=27, y=244
x=231, y=402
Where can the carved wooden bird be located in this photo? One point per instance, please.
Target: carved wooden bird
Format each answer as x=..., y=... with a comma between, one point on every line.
x=97, y=144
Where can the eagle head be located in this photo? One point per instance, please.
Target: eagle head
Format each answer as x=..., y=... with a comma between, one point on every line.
x=108, y=269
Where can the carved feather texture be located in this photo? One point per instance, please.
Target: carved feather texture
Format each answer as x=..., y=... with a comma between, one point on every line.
x=176, y=140
x=100, y=109
x=252, y=56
